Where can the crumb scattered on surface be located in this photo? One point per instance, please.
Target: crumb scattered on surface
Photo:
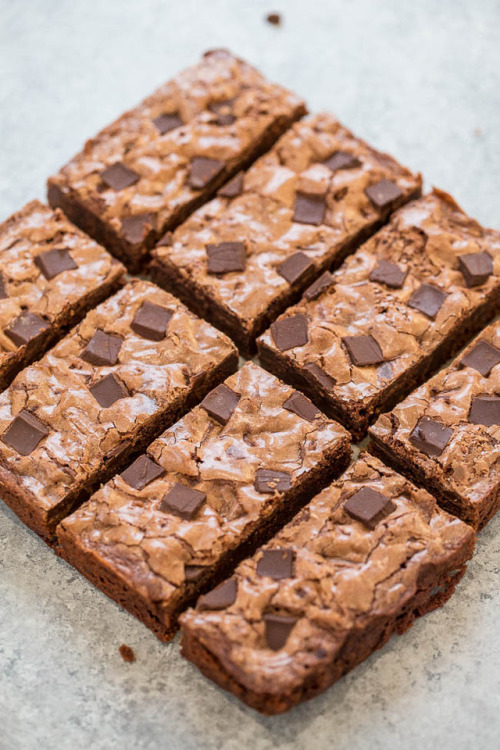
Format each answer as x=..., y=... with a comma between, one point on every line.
x=274, y=19
x=478, y=131
x=126, y=653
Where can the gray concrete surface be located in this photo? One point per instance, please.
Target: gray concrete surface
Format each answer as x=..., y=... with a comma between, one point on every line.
x=421, y=80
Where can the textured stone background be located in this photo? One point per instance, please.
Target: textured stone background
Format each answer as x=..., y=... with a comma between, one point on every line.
x=421, y=80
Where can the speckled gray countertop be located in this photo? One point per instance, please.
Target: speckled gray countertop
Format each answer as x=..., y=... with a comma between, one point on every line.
x=420, y=80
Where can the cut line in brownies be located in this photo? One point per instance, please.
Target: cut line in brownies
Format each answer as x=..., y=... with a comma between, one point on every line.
x=204, y=495
x=244, y=257
x=145, y=173
x=396, y=309
x=69, y=421
x=361, y=561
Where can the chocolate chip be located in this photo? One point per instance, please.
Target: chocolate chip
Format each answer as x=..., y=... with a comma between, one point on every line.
x=320, y=285
x=294, y=267
x=142, y=472
x=25, y=328
x=309, y=208
x=278, y=629
x=53, y=262
x=3, y=291
x=135, y=228
x=430, y=437
x=224, y=112
x=320, y=375
x=268, y=481
x=485, y=410
x=25, y=432
x=276, y=563
x=220, y=403
x=226, y=257
x=233, y=188
x=384, y=193
x=476, y=268
x=389, y=273
x=290, y=332
x=220, y=597
x=482, y=357
x=183, y=501
x=369, y=506
x=151, y=321
x=363, y=350
x=108, y=390
x=298, y=404
x=204, y=171
x=193, y=572
x=274, y=19
x=427, y=299
x=165, y=123
x=342, y=160
x=118, y=176
x=102, y=349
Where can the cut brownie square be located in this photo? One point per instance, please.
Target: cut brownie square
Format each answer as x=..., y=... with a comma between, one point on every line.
x=365, y=558
x=205, y=494
x=145, y=173
x=72, y=419
x=445, y=435
x=394, y=311
x=248, y=254
x=51, y=273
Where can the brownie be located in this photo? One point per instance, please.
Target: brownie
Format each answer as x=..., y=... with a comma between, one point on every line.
x=362, y=561
x=244, y=257
x=72, y=419
x=51, y=273
x=205, y=494
x=145, y=173
x=396, y=309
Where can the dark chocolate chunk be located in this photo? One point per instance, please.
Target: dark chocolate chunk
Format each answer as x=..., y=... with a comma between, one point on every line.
x=430, y=437
x=108, y=390
x=226, y=257
x=294, y=267
x=298, y=404
x=3, y=291
x=290, y=332
x=25, y=432
x=363, y=350
x=118, y=176
x=204, y=171
x=220, y=403
x=476, y=268
x=193, y=572
x=220, y=597
x=268, y=481
x=25, y=328
x=274, y=19
x=276, y=563
x=135, y=228
x=233, y=188
x=278, y=629
x=53, y=262
x=369, y=506
x=319, y=286
x=342, y=160
x=483, y=357
x=427, y=299
x=151, y=321
x=165, y=123
x=389, y=273
x=183, y=501
x=320, y=375
x=224, y=112
x=384, y=193
x=102, y=349
x=485, y=410
x=142, y=472
x=309, y=208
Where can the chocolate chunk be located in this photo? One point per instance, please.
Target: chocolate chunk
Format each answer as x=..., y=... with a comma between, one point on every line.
x=183, y=501
x=193, y=572
x=151, y=321
x=430, y=437
x=233, y=188
x=204, y=171
x=274, y=19
x=25, y=328
x=476, y=268
x=320, y=375
x=482, y=357
x=276, y=563
x=220, y=403
x=108, y=390
x=319, y=286
x=102, y=349
x=342, y=160
x=268, y=481
x=135, y=228
x=485, y=410
x=369, y=506
x=427, y=299
x=278, y=629
x=142, y=472
x=220, y=597
x=224, y=112
x=165, y=123
x=25, y=432
x=53, y=262
x=309, y=208
x=294, y=267
x=226, y=257
x=363, y=350
x=389, y=273
x=298, y=404
x=384, y=193
x=118, y=176
x=290, y=332
x=3, y=291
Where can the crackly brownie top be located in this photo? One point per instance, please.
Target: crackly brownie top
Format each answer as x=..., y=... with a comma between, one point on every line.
x=392, y=302
x=206, y=481
x=453, y=421
x=355, y=553
x=47, y=266
x=134, y=355
x=293, y=210
x=159, y=155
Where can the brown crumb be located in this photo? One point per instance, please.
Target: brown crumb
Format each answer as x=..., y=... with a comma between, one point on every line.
x=478, y=131
x=274, y=19
x=126, y=653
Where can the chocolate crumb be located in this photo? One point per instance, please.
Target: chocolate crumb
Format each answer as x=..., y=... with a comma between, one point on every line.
x=126, y=653
x=274, y=19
